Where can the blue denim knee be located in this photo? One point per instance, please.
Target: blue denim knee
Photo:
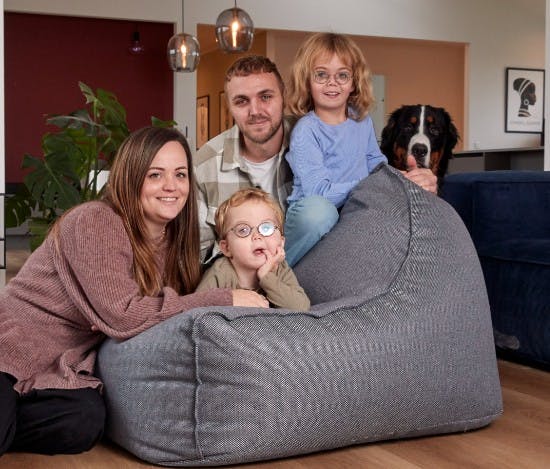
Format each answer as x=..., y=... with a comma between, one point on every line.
x=307, y=221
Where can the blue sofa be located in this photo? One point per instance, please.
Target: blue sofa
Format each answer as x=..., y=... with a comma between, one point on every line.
x=508, y=216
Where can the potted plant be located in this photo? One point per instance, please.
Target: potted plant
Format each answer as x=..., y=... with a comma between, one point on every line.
x=74, y=157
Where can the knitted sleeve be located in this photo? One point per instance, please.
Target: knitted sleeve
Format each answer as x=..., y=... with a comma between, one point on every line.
x=309, y=165
x=374, y=154
x=94, y=261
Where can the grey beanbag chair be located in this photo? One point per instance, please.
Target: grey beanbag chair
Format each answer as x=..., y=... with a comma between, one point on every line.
x=399, y=344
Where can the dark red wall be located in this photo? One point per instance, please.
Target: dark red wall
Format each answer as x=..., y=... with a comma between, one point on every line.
x=45, y=58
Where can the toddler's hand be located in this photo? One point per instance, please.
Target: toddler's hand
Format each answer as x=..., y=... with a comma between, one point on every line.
x=271, y=262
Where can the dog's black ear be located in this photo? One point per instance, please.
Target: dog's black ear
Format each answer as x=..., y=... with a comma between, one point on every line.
x=388, y=134
x=452, y=135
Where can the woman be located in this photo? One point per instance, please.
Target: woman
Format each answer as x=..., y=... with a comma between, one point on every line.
x=108, y=268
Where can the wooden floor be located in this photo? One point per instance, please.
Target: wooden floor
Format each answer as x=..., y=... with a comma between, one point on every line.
x=519, y=439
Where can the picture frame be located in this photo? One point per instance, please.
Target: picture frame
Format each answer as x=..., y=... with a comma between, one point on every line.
x=203, y=120
x=524, y=100
x=226, y=118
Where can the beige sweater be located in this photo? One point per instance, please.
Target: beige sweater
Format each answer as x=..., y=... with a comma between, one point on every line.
x=281, y=287
x=61, y=305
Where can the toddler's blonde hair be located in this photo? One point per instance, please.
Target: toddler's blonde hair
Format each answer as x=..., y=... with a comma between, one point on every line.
x=240, y=197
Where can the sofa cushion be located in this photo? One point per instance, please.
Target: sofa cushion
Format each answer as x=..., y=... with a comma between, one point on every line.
x=498, y=206
x=400, y=317
x=530, y=251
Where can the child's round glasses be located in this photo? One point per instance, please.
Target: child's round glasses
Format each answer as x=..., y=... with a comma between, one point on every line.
x=266, y=228
x=322, y=77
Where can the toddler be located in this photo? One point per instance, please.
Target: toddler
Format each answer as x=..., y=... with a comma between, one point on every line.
x=249, y=226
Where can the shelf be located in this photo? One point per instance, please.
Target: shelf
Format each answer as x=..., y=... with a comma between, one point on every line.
x=531, y=158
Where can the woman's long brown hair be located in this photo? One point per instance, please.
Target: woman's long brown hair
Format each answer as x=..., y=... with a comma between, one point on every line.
x=182, y=267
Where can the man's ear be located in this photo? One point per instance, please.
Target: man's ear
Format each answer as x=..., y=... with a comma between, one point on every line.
x=224, y=248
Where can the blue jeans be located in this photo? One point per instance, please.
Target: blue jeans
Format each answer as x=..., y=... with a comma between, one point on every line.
x=307, y=221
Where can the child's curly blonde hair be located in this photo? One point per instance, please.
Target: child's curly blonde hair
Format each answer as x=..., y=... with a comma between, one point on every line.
x=239, y=198
x=318, y=45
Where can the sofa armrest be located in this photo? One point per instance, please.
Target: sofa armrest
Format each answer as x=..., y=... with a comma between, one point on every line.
x=497, y=206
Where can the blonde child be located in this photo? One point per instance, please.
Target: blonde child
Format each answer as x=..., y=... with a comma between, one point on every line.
x=249, y=226
x=333, y=145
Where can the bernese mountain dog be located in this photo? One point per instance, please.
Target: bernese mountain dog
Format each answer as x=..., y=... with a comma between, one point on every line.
x=426, y=132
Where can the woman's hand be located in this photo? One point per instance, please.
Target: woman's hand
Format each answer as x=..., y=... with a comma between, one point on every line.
x=249, y=298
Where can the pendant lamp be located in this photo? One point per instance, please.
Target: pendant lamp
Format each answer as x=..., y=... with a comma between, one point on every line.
x=234, y=30
x=136, y=48
x=183, y=51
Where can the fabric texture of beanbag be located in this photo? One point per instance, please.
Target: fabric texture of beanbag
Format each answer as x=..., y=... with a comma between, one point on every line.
x=398, y=344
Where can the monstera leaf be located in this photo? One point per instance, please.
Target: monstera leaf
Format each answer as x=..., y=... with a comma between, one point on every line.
x=53, y=183
x=18, y=207
x=84, y=144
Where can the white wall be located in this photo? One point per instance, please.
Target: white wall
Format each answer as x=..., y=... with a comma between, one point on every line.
x=501, y=33
x=2, y=141
x=547, y=97
x=2, y=153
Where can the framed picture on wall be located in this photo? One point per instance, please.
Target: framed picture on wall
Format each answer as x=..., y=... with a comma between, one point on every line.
x=524, y=100
x=226, y=119
x=203, y=125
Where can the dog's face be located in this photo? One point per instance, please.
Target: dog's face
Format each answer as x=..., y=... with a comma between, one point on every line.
x=423, y=131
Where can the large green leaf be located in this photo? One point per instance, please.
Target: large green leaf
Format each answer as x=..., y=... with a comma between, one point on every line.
x=38, y=228
x=87, y=92
x=77, y=152
x=52, y=183
x=18, y=208
x=75, y=120
x=113, y=113
x=84, y=143
x=156, y=122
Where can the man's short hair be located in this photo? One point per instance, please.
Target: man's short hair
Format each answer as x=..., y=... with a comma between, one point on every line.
x=251, y=65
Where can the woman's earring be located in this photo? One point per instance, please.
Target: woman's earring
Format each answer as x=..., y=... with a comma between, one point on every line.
x=526, y=102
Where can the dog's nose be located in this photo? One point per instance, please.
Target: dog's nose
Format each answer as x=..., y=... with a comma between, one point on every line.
x=419, y=150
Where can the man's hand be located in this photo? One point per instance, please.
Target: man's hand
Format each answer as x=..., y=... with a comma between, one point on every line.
x=421, y=176
x=271, y=261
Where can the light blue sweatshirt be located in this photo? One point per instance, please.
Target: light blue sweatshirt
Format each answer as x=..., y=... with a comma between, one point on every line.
x=329, y=160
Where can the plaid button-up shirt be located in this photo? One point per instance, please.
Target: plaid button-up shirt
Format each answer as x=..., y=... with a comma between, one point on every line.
x=220, y=171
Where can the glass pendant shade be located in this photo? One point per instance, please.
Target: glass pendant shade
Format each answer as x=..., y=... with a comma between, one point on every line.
x=183, y=52
x=136, y=47
x=234, y=30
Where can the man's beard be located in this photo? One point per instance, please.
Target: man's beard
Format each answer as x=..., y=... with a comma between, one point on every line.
x=260, y=140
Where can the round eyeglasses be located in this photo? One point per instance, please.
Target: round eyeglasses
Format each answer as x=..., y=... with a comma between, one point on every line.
x=322, y=77
x=266, y=228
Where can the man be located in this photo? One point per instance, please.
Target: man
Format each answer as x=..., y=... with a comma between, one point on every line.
x=251, y=153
